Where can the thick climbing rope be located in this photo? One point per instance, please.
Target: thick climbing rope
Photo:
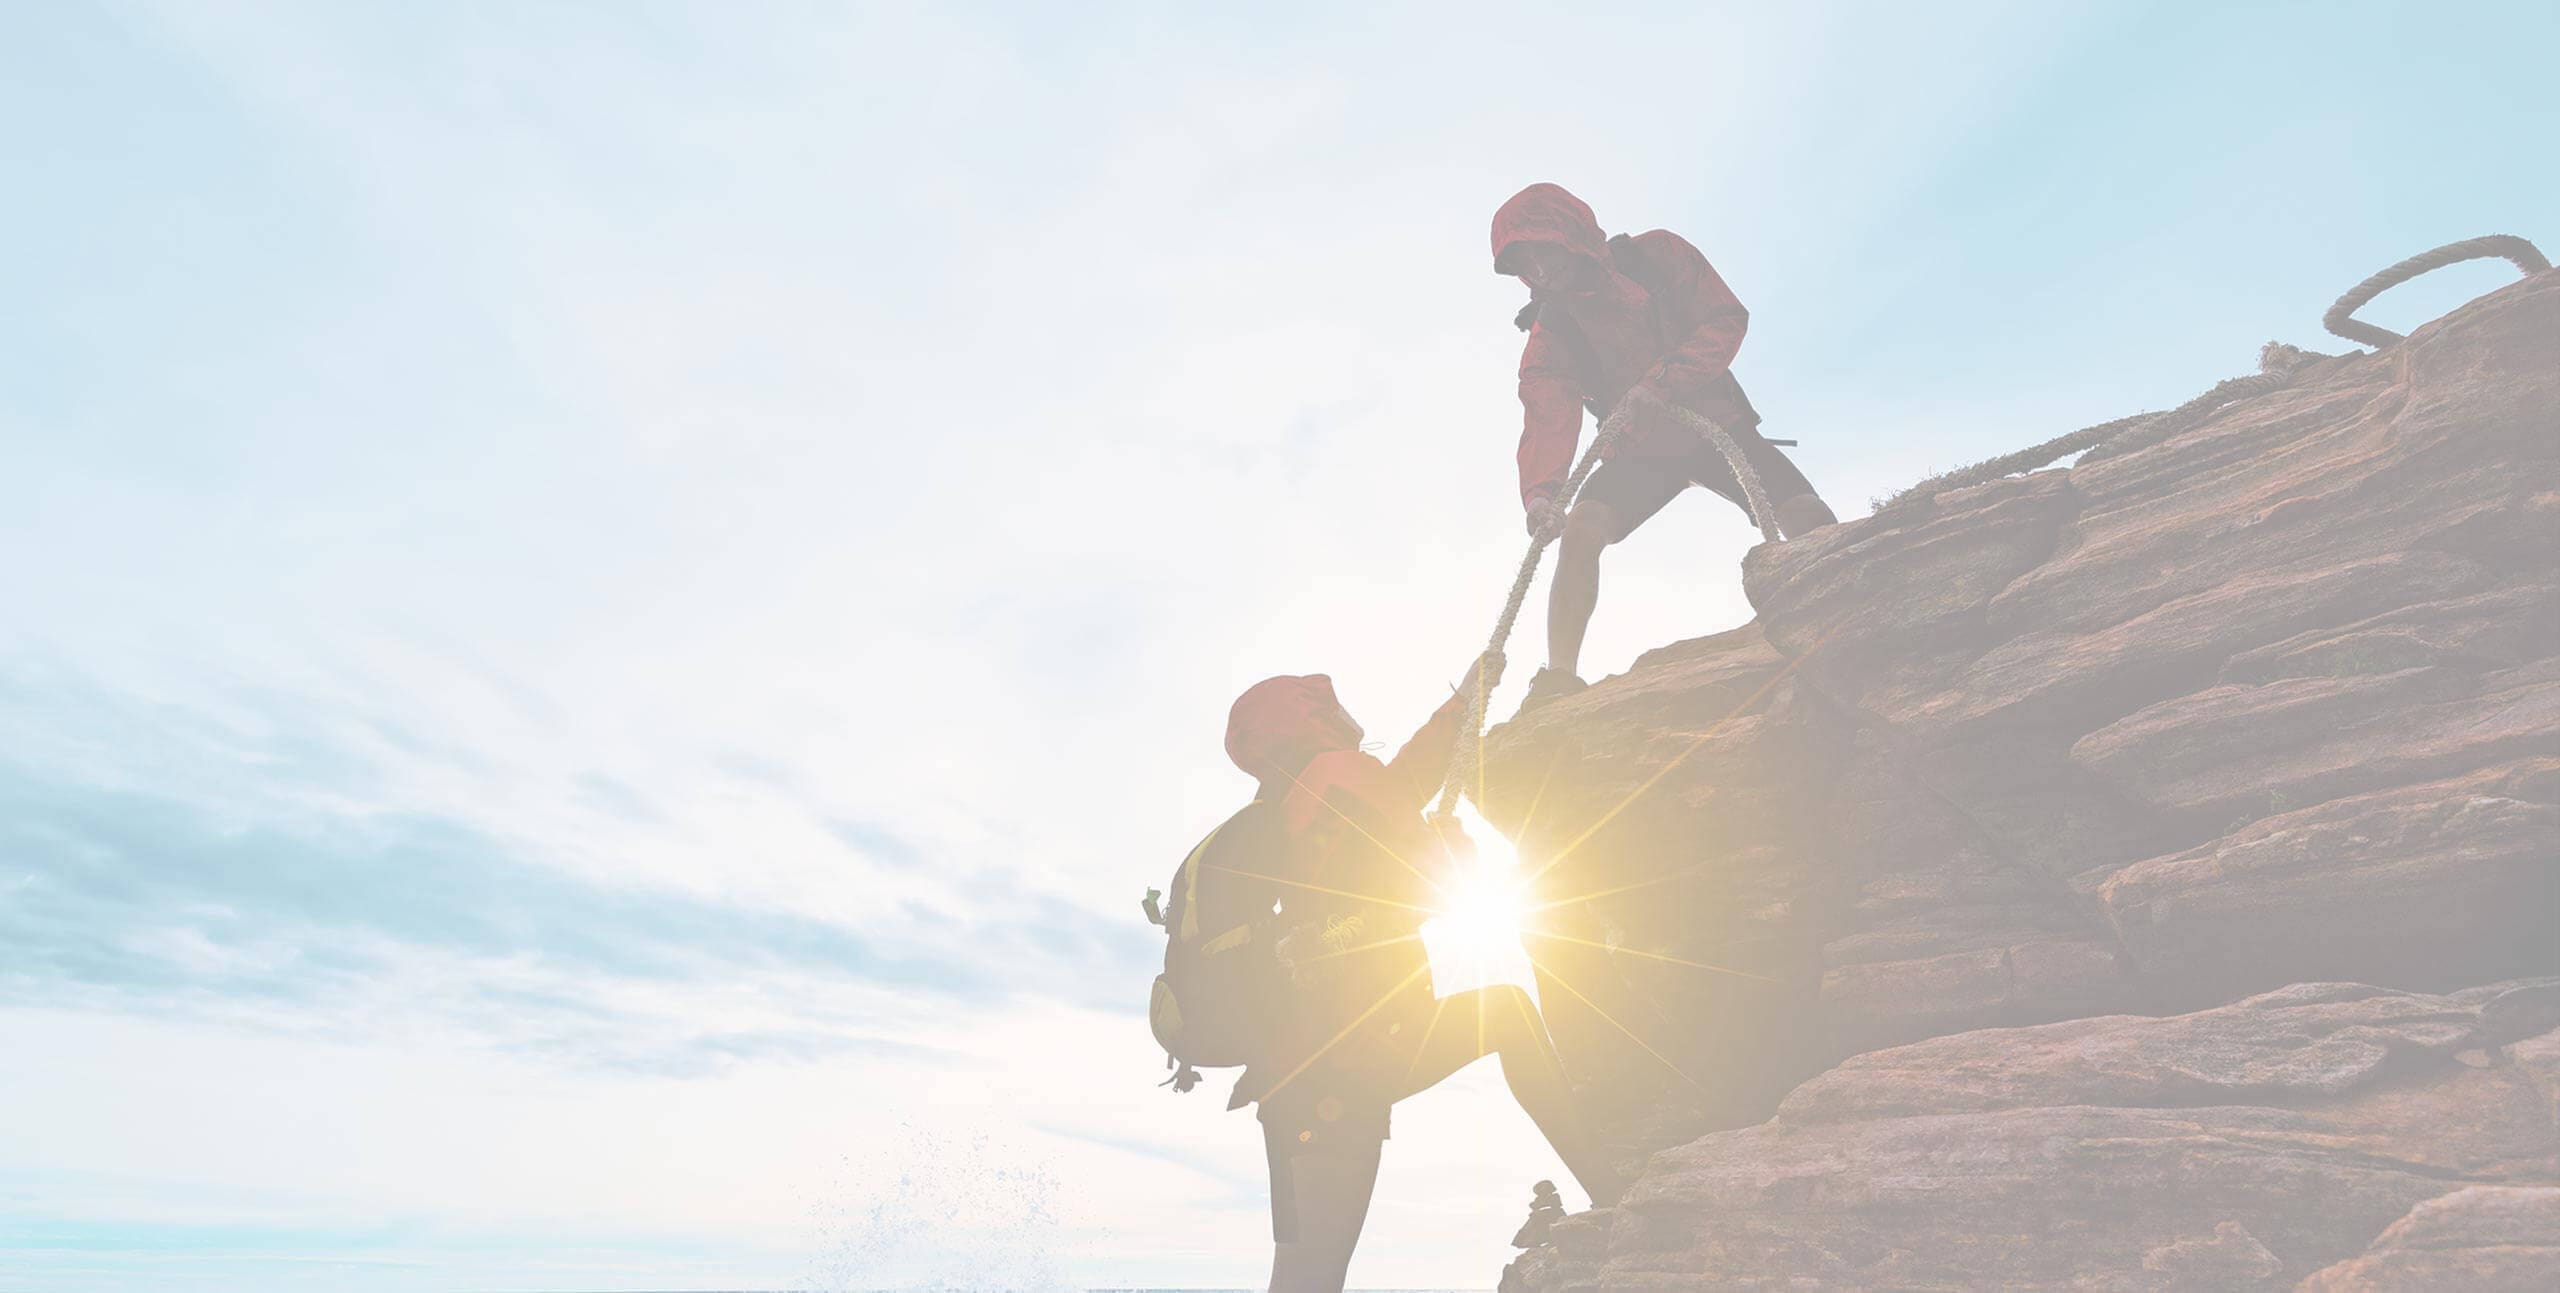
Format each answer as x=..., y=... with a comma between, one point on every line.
x=2340, y=319
x=2278, y=366
x=1466, y=757
x=1757, y=498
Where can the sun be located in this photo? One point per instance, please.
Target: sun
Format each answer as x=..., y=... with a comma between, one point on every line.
x=1473, y=937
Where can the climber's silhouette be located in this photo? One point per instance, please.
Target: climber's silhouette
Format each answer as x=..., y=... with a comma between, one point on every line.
x=1349, y=1025
x=1607, y=316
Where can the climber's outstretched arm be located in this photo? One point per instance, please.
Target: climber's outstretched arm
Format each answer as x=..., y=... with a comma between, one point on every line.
x=1422, y=763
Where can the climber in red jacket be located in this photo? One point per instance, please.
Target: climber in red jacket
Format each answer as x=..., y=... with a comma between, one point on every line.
x=1606, y=316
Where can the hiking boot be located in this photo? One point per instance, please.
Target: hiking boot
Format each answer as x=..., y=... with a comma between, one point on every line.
x=1803, y=514
x=1547, y=685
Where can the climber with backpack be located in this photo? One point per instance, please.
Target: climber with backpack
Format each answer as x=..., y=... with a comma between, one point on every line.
x=1608, y=317
x=1293, y=950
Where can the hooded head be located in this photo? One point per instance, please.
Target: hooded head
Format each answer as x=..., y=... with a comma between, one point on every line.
x=1280, y=723
x=1545, y=213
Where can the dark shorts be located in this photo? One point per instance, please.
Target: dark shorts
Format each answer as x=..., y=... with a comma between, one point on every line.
x=1342, y=1102
x=1344, y=1096
x=1635, y=488
x=1314, y=1113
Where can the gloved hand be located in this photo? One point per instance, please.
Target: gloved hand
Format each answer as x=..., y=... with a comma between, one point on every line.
x=1485, y=670
x=1546, y=520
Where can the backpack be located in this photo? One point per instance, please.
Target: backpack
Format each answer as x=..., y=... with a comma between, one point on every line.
x=1220, y=973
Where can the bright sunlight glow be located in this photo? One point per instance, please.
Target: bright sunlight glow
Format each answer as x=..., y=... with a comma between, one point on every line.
x=1474, y=940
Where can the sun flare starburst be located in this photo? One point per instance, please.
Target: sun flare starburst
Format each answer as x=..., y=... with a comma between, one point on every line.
x=1483, y=909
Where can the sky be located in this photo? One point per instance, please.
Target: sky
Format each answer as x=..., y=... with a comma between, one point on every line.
x=609, y=607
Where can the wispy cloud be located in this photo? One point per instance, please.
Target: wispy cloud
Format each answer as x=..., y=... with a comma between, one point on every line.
x=875, y=840
x=129, y=897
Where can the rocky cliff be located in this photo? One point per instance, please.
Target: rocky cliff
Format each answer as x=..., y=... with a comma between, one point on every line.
x=2137, y=875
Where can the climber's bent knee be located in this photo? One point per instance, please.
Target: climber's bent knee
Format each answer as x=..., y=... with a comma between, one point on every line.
x=1503, y=1011
x=1591, y=527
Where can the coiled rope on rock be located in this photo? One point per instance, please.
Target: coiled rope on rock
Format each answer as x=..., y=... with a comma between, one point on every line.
x=2505, y=246
x=2278, y=366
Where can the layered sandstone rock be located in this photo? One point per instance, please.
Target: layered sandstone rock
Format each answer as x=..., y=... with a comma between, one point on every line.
x=2490, y=1239
x=2249, y=1146
x=2274, y=702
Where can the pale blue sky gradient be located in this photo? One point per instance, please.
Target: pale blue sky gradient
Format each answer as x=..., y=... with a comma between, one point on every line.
x=610, y=606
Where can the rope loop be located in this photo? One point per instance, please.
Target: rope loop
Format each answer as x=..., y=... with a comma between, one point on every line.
x=2278, y=366
x=1466, y=757
x=2340, y=319
x=1757, y=497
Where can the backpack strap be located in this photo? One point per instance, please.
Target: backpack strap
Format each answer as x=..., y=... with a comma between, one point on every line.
x=1234, y=938
x=1189, y=898
x=1631, y=261
x=1183, y=912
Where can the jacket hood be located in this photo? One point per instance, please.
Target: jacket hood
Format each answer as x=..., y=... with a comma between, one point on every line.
x=1546, y=213
x=1280, y=723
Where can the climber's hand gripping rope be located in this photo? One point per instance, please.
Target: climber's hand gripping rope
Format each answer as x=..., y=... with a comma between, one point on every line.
x=1546, y=520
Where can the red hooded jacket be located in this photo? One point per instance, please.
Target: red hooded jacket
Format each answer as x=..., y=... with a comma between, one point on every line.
x=1594, y=343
